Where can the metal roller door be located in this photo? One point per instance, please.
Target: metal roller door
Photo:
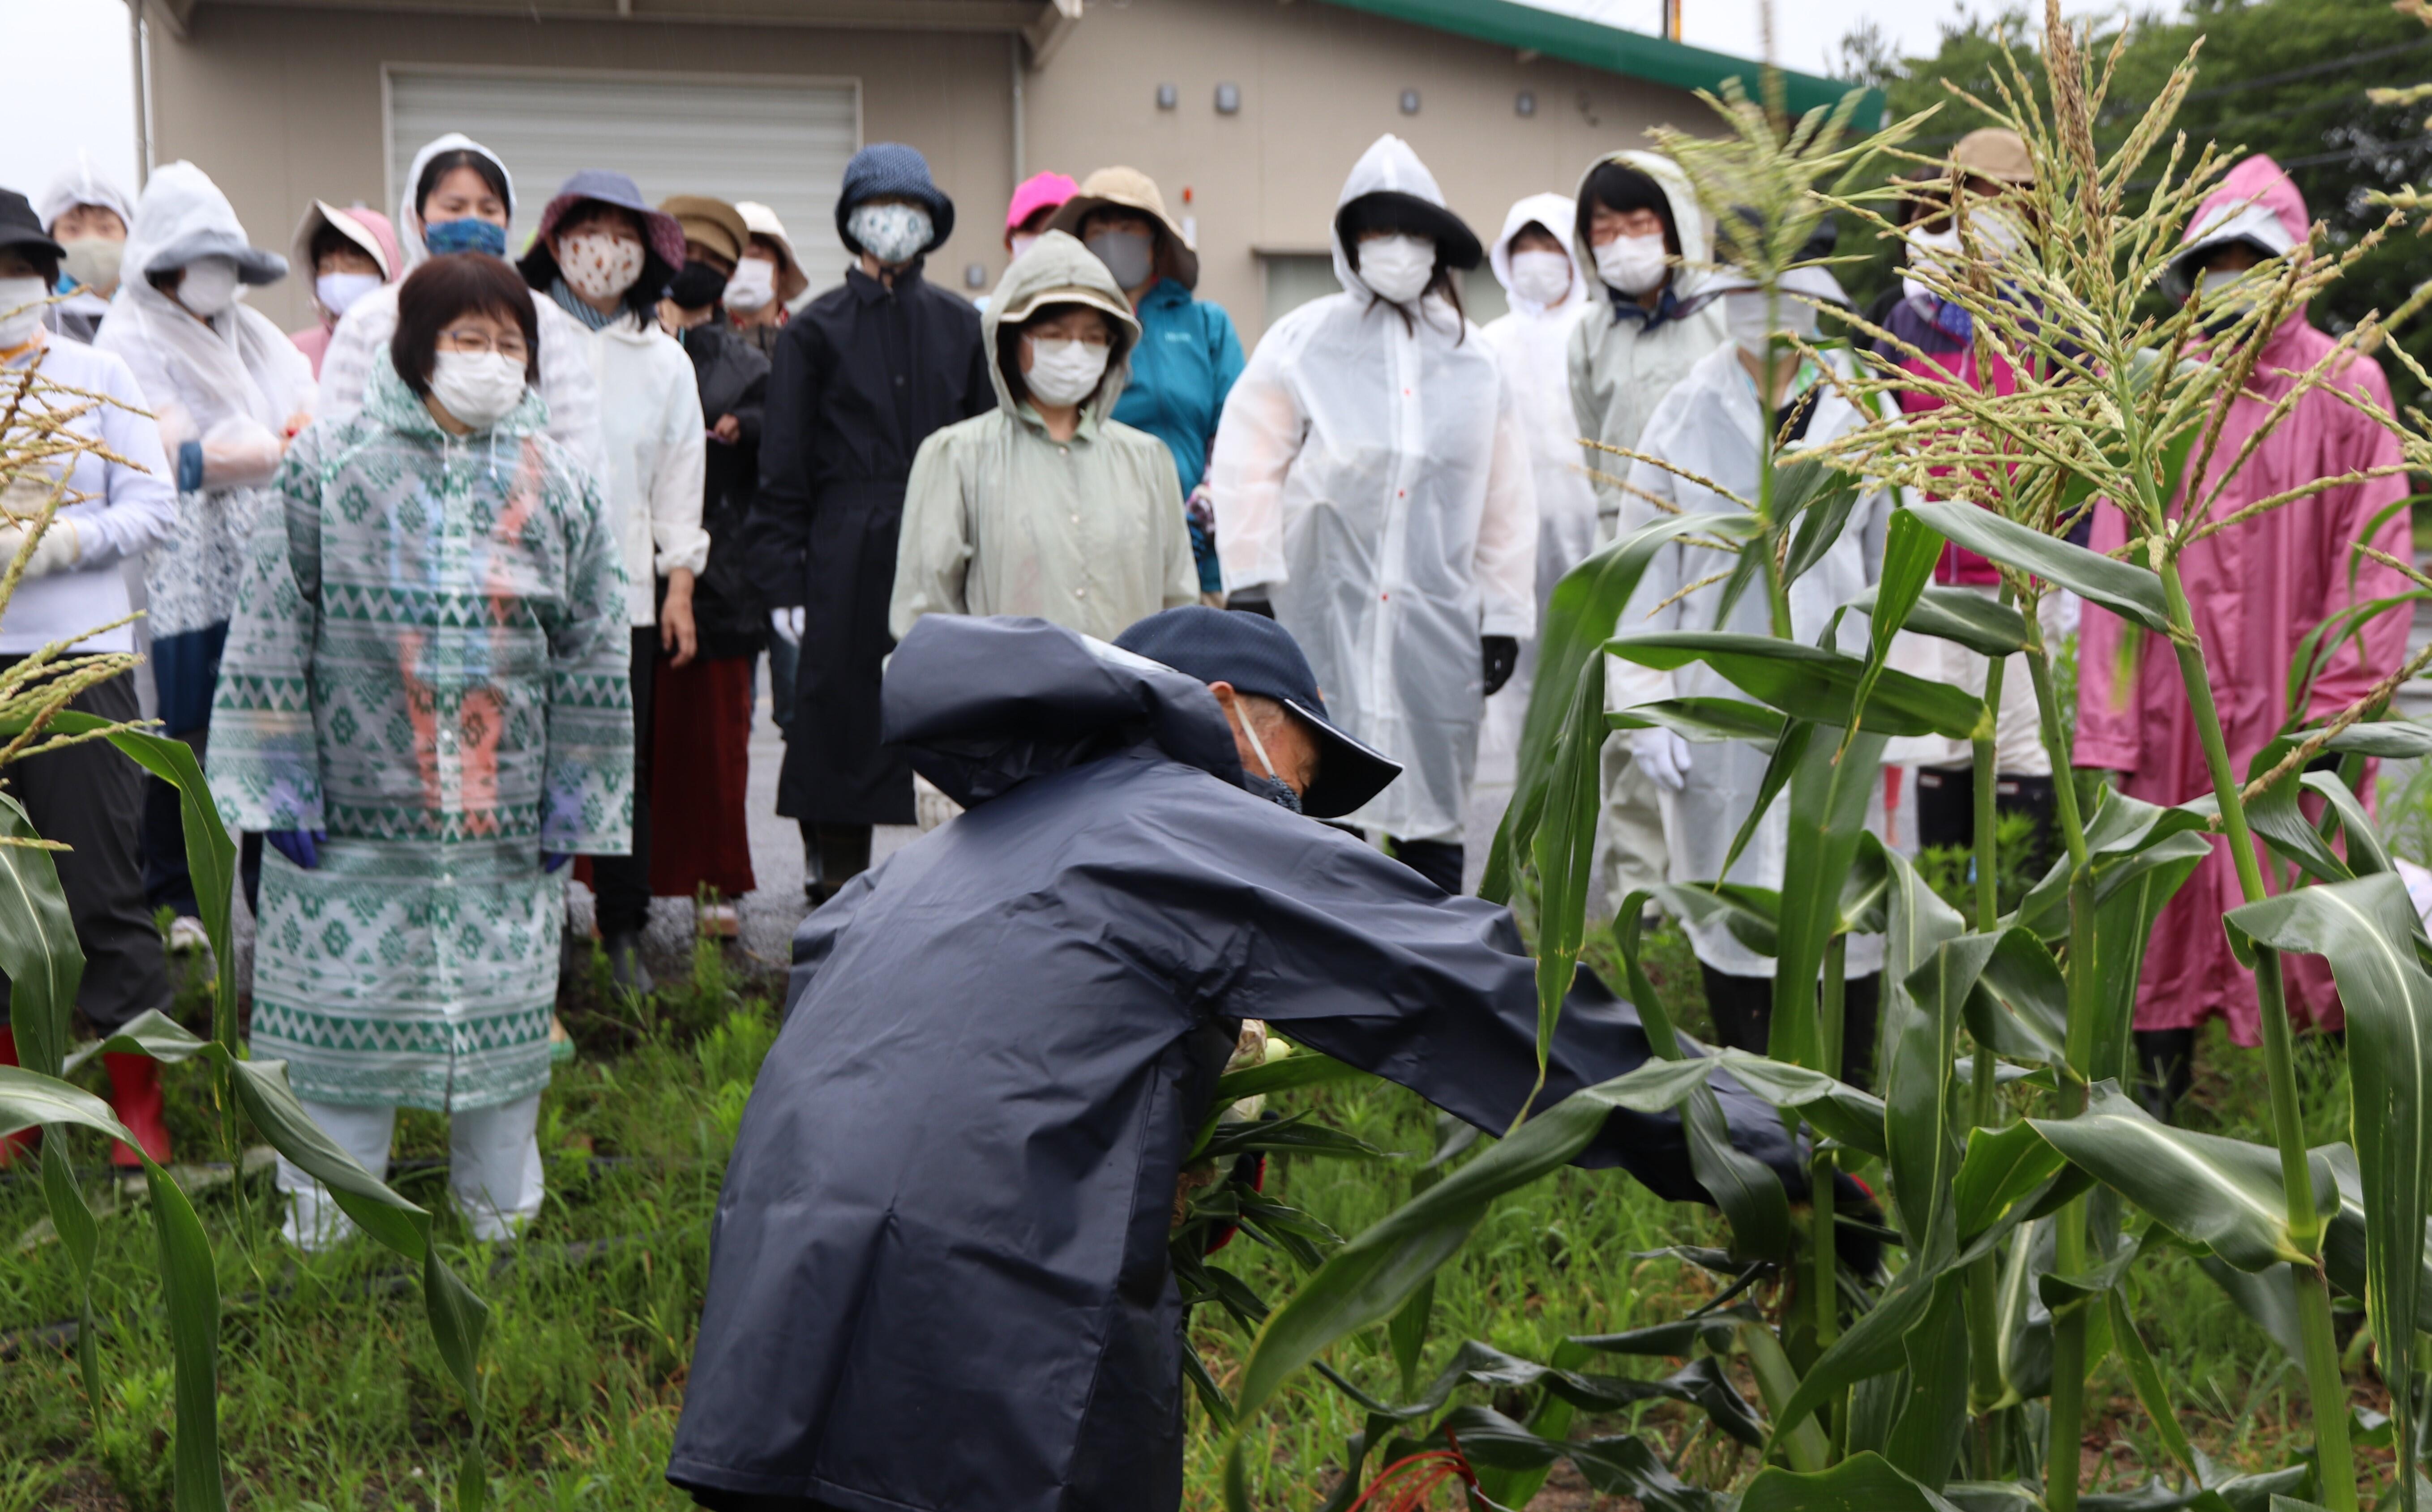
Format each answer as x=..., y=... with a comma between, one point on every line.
x=784, y=141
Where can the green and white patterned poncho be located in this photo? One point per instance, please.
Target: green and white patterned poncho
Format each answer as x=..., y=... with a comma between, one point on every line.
x=428, y=662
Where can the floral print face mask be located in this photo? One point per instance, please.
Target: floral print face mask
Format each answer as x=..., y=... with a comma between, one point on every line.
x=599, y=266
x=893, y=234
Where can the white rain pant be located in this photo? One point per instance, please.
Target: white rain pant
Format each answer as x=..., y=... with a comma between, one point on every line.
x=494, y=1169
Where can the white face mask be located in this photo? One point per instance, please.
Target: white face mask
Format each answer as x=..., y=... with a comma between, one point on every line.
x=92, y=262
x=1063, y=372
x=1633, y=264
x=1541, y=278
x=338, y=292
x=1022, y=241
x=479, y=388
x=1397, y=269
x=210, y=286
x=598, y=265
x=17, y=326
x=1745, y=314
x=753, y=286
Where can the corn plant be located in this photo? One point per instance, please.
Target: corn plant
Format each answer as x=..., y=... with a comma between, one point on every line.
x=1958, y=1375
x=38, y=446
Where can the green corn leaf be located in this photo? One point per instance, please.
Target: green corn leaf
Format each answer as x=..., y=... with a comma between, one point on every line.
x=1834, y=1107
x=1744, y=1188
x=1302, y=1068
x=80, y=1235
x=2223, y=1194
x=1830, y=795
x=1921, y=1039
x=1910, y=550
x=1985, y=626
x=2129, y=591
x=1673, y=1341
x=1875, y=1345
x=2366, y=853
x=1562, y=850
x=1861, y=1483
x=1818, y=497
x=2129, y=900
x=191, y=1279
x=38, y=944
x=1629, y=926
x=1797, y=735
x=1579, y=616
x=2267, y=1297
x=1618, y=1465
x=1702, y=718
x=2003, y=1172
x=1809, y=682
x=2344, y=1242
x=2147, y=1379
x=1924, y=1441
x=2322, y=644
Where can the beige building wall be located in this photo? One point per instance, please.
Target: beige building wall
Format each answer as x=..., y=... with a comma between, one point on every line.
x=281, y=106
x=1318, y=84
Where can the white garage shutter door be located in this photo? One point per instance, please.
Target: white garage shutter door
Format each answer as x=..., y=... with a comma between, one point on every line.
x=784, y=142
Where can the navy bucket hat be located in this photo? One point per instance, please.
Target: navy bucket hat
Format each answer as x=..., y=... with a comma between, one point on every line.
x=890, y=168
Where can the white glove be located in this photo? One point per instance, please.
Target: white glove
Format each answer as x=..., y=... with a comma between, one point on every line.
x=58, y=551
x=1662, y=755
x=787, y=623
x=239, y=452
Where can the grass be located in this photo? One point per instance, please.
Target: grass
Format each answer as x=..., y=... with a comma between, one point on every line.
x=332, y=1396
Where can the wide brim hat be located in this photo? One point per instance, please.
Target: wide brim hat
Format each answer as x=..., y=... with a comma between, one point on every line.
x=891, y=170
x=1456, y=244
x=1129, y=188
x=21, y=229
x=713, y=223
x=1996, y=153
x=345, y=224
x=660, y=231
x=759, y=220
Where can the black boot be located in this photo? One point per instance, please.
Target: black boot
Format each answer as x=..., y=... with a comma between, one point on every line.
x=2165, y=1063
x=625, y=966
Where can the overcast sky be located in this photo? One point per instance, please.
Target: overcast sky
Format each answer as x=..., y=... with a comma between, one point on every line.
x=75, y=88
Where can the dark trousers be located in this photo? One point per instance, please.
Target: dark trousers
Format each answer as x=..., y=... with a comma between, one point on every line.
x=623, y=882
x=833, y=855
x=1743, y=1014
x=91, y=797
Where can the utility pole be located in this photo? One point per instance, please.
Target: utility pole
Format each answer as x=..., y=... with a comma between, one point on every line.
x=1671, y=18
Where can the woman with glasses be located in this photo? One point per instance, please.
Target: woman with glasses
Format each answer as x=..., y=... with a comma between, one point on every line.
x=424, y=704
x=1047, y=505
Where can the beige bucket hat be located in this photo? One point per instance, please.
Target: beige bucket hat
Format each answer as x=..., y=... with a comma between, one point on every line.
x=1130, y=189
x=759, y=220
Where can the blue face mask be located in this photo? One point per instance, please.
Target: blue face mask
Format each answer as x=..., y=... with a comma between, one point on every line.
x=467, y=235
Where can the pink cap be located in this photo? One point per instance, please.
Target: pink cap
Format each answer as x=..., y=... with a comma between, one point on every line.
x=1038, y=192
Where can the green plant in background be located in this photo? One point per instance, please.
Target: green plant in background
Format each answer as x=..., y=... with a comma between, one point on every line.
x=41, y=958
x=2024, y=1189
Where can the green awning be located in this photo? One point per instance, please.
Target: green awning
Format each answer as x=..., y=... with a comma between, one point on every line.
x=1634, y=54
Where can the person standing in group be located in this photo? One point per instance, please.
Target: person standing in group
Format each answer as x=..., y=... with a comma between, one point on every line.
x=701, y=735
x=1372, y=492
x=766, y=279
x=115, y=502
x=863, y=374
x=459, y=198
x=1548, y=298
x=1639, y=225
x=228, y=391
x=426, y=708
x=1709, y=435
x=1033, y=209
x=1188, y=356
x=351, y=253
x=604, y=257
x=88, y=215
x=2258, y=588
x=1046, y=505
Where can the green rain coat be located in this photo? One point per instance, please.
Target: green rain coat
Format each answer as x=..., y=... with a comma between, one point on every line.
x=428, y=663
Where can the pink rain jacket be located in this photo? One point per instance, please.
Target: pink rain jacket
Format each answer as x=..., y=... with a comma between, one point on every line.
x=2257, y=589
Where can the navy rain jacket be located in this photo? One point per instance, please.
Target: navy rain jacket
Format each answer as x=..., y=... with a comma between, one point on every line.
x=938, y=1271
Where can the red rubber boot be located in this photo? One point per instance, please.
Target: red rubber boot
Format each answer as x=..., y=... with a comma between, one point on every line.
x=135, y=1096
x=13, y=1146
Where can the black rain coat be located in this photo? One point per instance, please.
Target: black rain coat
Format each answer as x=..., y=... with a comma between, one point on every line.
x=861, y=377
x=733, y=376
x=937, y=1271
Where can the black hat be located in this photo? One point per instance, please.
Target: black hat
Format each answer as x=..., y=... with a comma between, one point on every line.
x=1259, y=657
x=20, y=230
x=1390, y=209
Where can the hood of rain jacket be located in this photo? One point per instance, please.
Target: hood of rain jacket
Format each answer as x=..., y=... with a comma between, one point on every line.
x=948, y=1206
x=2258, y=202
x=409, y=214
x=81, y=183
x=1389, y=166
x=1688, y=219
x=1557, y=213
x=183, y=216
x=1057, y=269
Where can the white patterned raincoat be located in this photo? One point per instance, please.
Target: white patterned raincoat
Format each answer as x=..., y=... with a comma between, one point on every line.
x=428, y=663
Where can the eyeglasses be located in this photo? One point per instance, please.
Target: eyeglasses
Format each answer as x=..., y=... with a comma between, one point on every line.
x=1095, y=336
x=510, y=347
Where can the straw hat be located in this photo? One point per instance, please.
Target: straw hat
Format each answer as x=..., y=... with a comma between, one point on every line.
x=1995, y=153
x=1130, y=189
x=713, y=223
x=759, y=220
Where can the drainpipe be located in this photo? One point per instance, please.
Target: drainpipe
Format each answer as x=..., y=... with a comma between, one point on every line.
x=1013, y=41
x=142, y=94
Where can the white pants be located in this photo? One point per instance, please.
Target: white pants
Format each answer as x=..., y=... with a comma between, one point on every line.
x=494, y=1170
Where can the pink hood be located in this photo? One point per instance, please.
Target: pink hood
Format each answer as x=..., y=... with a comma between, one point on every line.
x=2258, y=202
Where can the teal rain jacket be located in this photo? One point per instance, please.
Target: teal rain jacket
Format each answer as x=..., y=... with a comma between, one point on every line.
x=1183, y=366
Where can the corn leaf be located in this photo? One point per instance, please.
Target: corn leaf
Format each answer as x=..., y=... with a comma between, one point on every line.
x=2132, y=592
x=1702, y=719
x=1910, y=550
x=1818, y=497
x=1984, y=626
x=1830, y=795
x=1809, y=682
x=1563, y=849
x=1861, y=1483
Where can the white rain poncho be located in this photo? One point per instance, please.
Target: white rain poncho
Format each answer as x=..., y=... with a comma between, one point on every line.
x=1533, y=344
x=1373, y=475
x=1710, y=426
x=568, y=384
x=234, y=383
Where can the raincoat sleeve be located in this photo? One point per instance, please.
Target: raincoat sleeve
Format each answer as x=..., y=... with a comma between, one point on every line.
x=587, y=787
x=932, y=556
x=779, y=525
x=264, y=755
x=570, y=387
x=1380, y=970
x=139, y=501
x=2110, y=730
x=1506, y=527
x=1225, y=357
x=675, y=488
x=1256, y=441
x=2348, y=516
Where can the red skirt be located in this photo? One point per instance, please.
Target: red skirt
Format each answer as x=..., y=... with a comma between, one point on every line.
x=701, y=774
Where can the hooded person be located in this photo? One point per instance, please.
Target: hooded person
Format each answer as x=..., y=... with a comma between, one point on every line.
x=347, y=253
x=1370, y=482
x=90, y=216
x=1046, y=505
x=459, y=198
x=603, y=257
x=941, y=1216
x=1712, y=426
x=2257, y=589
x=1189, y=354
x=863, y=373
x=1548, y=295
x=228, y=391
